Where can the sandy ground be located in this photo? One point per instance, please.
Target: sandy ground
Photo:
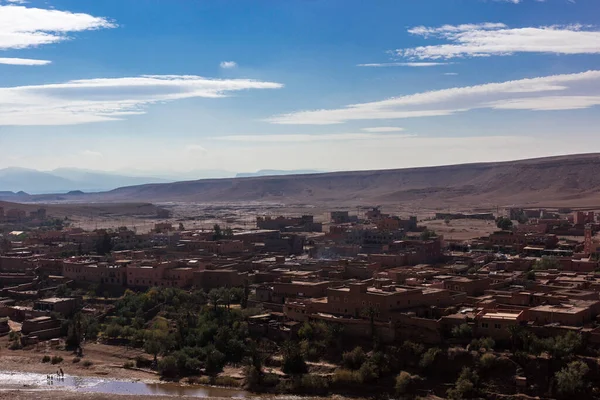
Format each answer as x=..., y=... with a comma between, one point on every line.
x=28, y=394
x=107, y=361
x=461, y=229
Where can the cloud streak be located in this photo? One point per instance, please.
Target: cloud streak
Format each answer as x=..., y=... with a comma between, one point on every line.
x=23, y=27
x=23, y=61
x=557, y=92
x=403, y=64
x=99, y=100
x=228, y=64
x=298, y=138
x=496, y=39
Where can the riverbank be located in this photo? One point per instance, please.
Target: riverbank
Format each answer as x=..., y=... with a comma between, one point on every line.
x=31, y=394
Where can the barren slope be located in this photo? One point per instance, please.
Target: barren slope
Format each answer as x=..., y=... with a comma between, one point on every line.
x=567, y=180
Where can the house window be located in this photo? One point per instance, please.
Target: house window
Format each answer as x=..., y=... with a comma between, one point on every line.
x=497, y=326
x=484, y=324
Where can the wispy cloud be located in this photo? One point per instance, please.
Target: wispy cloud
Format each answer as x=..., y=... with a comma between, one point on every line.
x=383, y=129
x=481, y=40
x=23, y=61
x=22, y=27
x=404, y=64
x=91, y=153
x=195, y=148
x=98, y=100
x=451, y=73
x=228, y=64
x=329, y=137
x=565, y=92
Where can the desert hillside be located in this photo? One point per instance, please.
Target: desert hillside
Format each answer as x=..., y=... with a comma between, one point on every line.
x=556, y=181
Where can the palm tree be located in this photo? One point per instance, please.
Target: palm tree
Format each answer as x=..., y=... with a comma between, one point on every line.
x=214, y=296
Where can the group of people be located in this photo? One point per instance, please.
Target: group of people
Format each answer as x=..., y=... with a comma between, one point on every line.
x=60, y=376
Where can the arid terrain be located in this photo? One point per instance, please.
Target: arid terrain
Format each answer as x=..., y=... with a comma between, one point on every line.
x=547, y=182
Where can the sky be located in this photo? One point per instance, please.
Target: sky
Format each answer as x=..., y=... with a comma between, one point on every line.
x=182, y=85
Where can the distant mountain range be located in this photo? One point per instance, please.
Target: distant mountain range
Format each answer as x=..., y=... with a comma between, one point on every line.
x=63, y=180
x=277, y=172
x=564, y=181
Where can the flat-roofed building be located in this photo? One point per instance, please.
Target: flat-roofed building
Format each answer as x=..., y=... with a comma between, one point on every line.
x=496, y=323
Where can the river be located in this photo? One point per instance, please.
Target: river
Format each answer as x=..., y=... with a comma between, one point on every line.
x=110, y=386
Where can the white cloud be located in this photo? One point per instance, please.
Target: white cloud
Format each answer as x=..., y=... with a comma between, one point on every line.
x=487, y=39
x=451, y=73
x=549, y=103
x=91, y=153
x=383, y=129
x=228, y=64
x=566, y=93
x=404, y=64
x=16, y=1
x=195, y=148
x=293, y=138
x=22, y=27
x=23, y=61
x=97, y=100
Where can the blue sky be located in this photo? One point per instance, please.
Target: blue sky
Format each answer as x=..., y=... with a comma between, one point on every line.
x=179, y=85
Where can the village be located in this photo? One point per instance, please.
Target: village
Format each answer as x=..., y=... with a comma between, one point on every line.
x=383, y=281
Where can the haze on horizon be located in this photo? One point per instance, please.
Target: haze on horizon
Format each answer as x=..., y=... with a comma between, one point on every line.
x=333, y=85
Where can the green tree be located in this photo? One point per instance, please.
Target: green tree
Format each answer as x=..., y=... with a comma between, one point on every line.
x=354, y=359
x=465, y=386
x=217, y=232
x=214, y=296
x=293, y=361
x=428, y=234
x=547, y=262
x=429, y=357
x=215, y=361
x=153, y=346
x=504, y=223
x=570, y=381
x=462, y=331
x=167, y=367
x=113, y=330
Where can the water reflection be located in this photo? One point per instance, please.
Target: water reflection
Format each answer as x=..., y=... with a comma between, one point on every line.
x=96, y=385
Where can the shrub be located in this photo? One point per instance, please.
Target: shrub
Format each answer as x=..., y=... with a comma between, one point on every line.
x=46, y=359
x=354, y=359
x=193, y=365
x=128, y=365
x=368, y=373
x=227, y=381
x=484, y=343
x=404, y=381
x=465, y=386
x=462, y=331
x=167, y=367
x=429, y=357
x=15, y=345
x=56, y=359
x=87, y=363
x=76, y=360
x=570, y=380
x=142, y=362
x=343, y=377
x=215, y=361
x=314, y=385
x=488, y=361
x=293, y=361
